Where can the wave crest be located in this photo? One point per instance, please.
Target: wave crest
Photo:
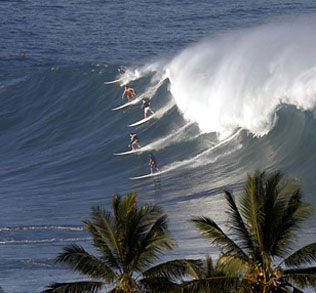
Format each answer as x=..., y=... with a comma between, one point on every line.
x=239, y=79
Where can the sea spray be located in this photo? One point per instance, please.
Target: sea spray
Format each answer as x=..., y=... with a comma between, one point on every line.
x=238, y=80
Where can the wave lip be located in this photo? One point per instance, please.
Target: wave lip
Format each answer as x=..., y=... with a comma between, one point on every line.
x=239, y=80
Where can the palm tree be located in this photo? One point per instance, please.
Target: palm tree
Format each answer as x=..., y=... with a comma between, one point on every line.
x=129, y=242
x=259, y=249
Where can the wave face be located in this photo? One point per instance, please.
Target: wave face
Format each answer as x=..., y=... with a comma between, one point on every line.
x=224, y=107
x=59, y=133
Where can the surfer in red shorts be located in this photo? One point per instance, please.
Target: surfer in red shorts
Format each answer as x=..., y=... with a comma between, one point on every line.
x=130, y=92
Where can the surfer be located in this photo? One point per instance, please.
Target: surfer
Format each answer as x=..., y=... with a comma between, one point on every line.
x=153, y=164
x=129, y=91
x=134, y=141
x=146, y=107
x=120, y=70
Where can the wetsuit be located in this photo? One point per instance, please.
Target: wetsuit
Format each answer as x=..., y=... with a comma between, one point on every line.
x=134, y=138
x=146, y=107
x=152, y=162
x=146, y=104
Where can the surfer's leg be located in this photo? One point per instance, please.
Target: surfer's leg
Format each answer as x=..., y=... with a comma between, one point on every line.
x=133, y=148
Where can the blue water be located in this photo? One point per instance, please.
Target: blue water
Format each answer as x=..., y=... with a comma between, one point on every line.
x=233, y=85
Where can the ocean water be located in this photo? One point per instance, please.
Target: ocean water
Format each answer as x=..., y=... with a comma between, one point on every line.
x=233, y=85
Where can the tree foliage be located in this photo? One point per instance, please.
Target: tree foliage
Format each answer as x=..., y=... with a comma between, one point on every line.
x=129, y=242
x=259, y=246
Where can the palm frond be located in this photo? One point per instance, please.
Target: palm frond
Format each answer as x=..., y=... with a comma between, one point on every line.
x=155, y=241
x=116, y=200
x=273, y=206
x=252, y=202
x=209, y=267
x=78, y=259
x=149, y=213
x=232, y=265
x=304, y=278
x=213, y=232
x=75, y=287
x=238, y=224
x=211, y=284
x=159, y=285
x=126, y=208
x=103, y=221
x=197, y=270
x=303, y=256
x=295, y=213
x=102, y=245
x=173, y=270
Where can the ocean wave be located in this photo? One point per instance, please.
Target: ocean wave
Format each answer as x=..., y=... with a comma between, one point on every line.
x=50, y=227
x=40, y=241
x=240, y=79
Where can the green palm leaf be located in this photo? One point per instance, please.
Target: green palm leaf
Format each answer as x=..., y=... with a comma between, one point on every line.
x=103, y=246
x=154, y=243
x=76, y=287
x=295, y=213
x=233, y=265
x=159, y=285
x=213, y=232
x=81, y=261
x=211, y=284
x=103, y=222
x=173, y=270
x=199, y=269
x=251, y=209
x=303, y=256
x=304, y=277
x=238, y=224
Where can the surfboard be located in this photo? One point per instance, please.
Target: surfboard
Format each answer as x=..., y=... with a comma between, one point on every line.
x=141, y=121
x=133, y=102
x=145, y=176
x=126, y=153
x=123, y=106
x=113, y=81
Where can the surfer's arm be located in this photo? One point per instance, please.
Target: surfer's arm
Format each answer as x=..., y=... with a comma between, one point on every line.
x=123, y=94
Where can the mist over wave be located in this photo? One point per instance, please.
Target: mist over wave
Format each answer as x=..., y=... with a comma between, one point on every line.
x=239, y=80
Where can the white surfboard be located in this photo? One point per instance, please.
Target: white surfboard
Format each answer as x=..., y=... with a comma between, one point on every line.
x=142, y=121
x=145, y=176
x=126, y=153
x=113, y=81
x=133, y=102
x=122, y=106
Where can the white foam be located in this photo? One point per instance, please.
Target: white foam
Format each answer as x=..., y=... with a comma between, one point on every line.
x=203, y=158
x=172, y=138
x=239, y=79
